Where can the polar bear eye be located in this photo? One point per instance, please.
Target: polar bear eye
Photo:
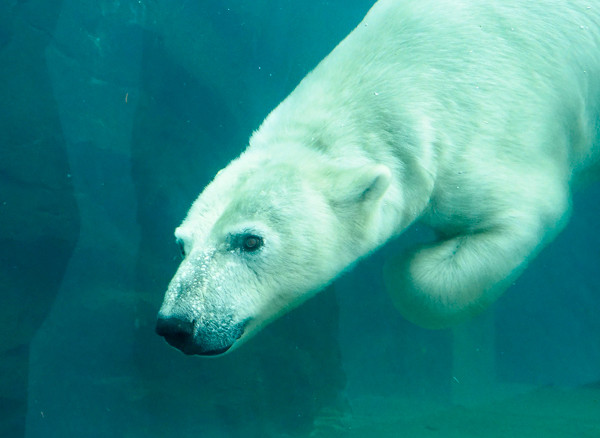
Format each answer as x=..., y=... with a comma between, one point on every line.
x=181, y=247
x=251, y=243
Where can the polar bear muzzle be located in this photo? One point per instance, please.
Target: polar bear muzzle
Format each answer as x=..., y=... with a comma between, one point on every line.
x=186, y=335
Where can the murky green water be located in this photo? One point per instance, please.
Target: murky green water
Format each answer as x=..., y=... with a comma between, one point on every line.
x=115, y=115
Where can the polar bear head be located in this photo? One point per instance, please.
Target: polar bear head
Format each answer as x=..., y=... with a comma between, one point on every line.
x=260, y=239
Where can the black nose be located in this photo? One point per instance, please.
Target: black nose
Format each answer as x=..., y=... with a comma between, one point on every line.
x=176, y=331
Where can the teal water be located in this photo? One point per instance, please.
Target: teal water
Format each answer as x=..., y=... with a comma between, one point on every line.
x=115, y=116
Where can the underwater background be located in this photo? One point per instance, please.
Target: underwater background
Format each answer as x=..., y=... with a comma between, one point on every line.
x=115, y=115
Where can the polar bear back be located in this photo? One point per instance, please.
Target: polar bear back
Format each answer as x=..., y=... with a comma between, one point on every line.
x=420, y=58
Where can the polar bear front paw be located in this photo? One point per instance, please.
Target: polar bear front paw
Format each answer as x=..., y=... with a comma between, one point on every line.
x=449, y=281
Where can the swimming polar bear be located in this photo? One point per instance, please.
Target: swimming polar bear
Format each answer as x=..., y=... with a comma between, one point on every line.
x=474, y=117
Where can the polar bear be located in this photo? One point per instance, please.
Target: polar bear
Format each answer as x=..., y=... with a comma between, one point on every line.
x=474, y=117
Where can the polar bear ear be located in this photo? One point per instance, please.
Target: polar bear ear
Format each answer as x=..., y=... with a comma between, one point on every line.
x=359, y=185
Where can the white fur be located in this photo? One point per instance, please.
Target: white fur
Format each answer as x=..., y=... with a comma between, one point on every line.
x=475, y=117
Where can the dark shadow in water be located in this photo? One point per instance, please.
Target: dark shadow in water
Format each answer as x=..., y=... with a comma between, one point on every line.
x=39, y=221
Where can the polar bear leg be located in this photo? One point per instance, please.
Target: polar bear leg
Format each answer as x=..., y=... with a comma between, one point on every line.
x=446, y=282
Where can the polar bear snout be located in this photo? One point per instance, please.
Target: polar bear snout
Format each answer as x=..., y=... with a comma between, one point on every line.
x=176, y=331
x=185, y=335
